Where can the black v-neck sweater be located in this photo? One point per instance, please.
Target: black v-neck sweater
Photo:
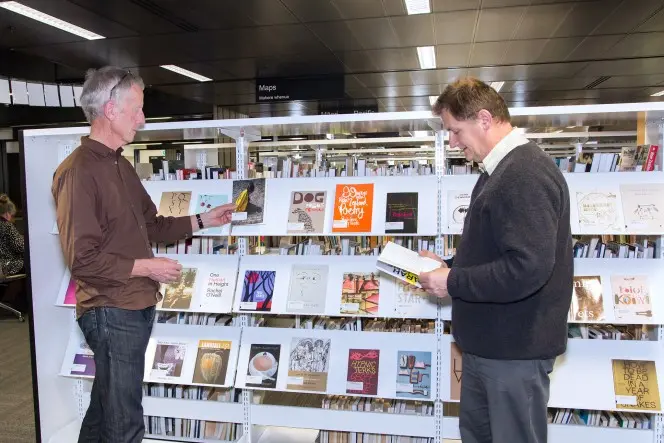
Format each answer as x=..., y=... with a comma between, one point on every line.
x=511, y=279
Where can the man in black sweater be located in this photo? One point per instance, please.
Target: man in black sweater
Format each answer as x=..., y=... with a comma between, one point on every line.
x=511, y=279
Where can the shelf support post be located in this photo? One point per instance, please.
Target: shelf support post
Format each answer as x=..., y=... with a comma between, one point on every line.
x=440, y=171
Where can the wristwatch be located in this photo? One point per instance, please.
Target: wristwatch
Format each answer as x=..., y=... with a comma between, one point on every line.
x=200, y=221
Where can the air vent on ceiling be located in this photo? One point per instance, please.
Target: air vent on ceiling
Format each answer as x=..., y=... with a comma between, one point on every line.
x=600, y=80
x=165, y=14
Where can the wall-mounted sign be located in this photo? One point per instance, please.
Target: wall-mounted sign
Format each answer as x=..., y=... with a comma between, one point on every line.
x=289, y=89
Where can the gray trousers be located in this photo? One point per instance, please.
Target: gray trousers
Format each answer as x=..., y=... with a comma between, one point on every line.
x=504, y=401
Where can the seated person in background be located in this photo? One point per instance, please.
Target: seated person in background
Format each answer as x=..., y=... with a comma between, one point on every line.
x=11, y=241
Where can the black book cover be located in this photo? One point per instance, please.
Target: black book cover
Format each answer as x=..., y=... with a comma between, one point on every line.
x=401, y=213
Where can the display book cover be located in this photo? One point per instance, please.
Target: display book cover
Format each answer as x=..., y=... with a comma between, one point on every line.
x=362, y=371
x=635, y=385
x=263, y=367
x=413, y=375
x=404, y=264
x=587, y=299
x=249, y=199
x=212, y=362
x=401, y=213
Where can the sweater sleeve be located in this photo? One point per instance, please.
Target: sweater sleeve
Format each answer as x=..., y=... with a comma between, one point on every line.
x=524, y=224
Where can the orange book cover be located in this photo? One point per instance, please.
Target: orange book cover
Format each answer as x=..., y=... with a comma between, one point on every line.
x=353, y=208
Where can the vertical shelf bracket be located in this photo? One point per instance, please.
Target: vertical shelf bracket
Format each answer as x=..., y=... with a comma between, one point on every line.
x=440, y=171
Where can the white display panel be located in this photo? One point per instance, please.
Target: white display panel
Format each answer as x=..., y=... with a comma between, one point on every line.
x=193, y=409
x=51, y=95
x=388, y=343
x=391, y=303
x=583, y=183
x=212, y=292
x=19, y=92
x=36, y=94
x=5, y=96
x=188, y=338
x=67, y=96
x=278, y=197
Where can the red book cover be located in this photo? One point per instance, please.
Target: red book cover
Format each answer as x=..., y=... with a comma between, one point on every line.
x=362, y=371
x=650, y=160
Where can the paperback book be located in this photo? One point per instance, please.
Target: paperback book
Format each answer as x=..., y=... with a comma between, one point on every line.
x=249, y=199
x=84, y=361
x=643, y=207
x=217, y=294
x=456, y=370
x=207, y=202
x=308, y=365
x=263, y=366
x=457, y=208
x=308, y=289
x=360, y=294
x=168, y=360
x=257, y=291
x=212, y=362
x=362, y=371
x=635, y=385
x=587, y=300
x=174, y=204
x=353, y=208
x=599, y=211
x=413, y=375
x=306, y=214
x=401, y=213
x=631, y=298
x=404, y=264
x=178, y=295
x=413, y=302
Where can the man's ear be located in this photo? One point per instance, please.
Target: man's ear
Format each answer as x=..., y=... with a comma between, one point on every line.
x=484, y=118
x=110, y=110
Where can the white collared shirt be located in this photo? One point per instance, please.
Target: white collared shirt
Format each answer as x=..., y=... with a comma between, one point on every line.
x=505, y=146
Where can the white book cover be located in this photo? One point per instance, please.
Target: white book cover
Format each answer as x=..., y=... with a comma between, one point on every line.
x=308, y=286
x=404, y=264
x=643, y=207
x=457, y=207
x=599, y=211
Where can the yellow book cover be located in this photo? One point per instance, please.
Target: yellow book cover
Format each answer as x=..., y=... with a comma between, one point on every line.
x=635, y=385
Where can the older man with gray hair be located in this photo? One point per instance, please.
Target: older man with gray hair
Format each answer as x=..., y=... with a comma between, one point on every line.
x=106, y=222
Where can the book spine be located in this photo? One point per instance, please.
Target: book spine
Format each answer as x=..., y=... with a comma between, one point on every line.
x=652, y=155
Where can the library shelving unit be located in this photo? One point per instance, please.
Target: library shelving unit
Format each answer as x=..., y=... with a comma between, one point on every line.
x=582, y=379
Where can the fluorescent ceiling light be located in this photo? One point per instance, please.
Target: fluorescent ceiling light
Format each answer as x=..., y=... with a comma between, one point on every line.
x=497, y=85
x=186, y=73
x=418, y=6
x=49, y=20
x=658, y=94
x=427, y=57
x=432, y=99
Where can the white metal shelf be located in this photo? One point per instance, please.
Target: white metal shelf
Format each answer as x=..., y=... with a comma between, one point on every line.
x=208, y=410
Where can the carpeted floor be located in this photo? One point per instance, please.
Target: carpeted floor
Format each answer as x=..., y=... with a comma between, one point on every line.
x=17, y=423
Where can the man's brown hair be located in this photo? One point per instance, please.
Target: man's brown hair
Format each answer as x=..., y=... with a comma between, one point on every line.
x=466, y=97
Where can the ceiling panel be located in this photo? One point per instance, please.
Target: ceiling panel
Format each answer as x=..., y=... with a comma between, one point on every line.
x=262, y=12
x=357, y=61
x=336, y=36
x=653, y=65
x=414, y=30
x=454, y=27
x=394, y=59
x=201, y=14
x=352, y=9
x=656, y=23
x=542, y=21
x=401, y=78
x=594, y=47
x=523, y=51
x=488, y=53
x=452, y=55
x=627, y=16
x=449, y=75
x=454, y=5
x=640, y=45
x=584, y=17
x=558, y=49
x=374, y=33
x=428, y=77
x=308, y=11
x=498, y=24
x=631, y=81
x=371, y=80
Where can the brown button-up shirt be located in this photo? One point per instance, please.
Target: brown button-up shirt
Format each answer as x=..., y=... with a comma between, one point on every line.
x=106, y=220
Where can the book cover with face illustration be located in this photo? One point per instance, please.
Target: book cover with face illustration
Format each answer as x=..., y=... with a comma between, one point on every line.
x=306, y=214
x=263, y=366
x=212, y=362
x=174, y=204
x=168, y=360
x=308, y=364
x=401, y=213
x=308, y=287
x=249, y=199
x=178, y=295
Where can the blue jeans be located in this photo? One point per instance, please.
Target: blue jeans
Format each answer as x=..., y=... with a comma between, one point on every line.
x=118, y=338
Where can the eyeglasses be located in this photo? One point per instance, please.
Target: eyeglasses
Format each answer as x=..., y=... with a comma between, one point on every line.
x=127, y=74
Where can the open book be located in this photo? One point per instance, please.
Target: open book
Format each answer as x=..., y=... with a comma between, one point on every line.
x=404, y=264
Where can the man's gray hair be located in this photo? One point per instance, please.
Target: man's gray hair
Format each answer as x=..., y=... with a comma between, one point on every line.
x=100, y=84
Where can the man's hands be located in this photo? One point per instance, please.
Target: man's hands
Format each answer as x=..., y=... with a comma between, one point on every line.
x=159, y=269
x=435, y=282
x=219, y=216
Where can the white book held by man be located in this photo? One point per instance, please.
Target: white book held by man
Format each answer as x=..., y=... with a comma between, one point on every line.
x=404, y=264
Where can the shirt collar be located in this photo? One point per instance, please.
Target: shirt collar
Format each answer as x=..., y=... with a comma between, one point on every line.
x=505, y=146
x=100, y=148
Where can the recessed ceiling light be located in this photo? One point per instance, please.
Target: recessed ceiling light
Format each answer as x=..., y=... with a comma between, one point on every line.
x=427, y=57
x=432, y=99
x=187, y=73
x=658, y=94
x=418, y=6
x=49, y=20
x=497, y=85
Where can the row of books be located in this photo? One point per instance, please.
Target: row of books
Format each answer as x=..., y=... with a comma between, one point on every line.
x=612, y=332
x=193, y=429
x=610, y=419
x=615, y=246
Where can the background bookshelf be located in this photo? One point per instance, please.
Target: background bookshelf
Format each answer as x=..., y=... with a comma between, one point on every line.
x=238, y=411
